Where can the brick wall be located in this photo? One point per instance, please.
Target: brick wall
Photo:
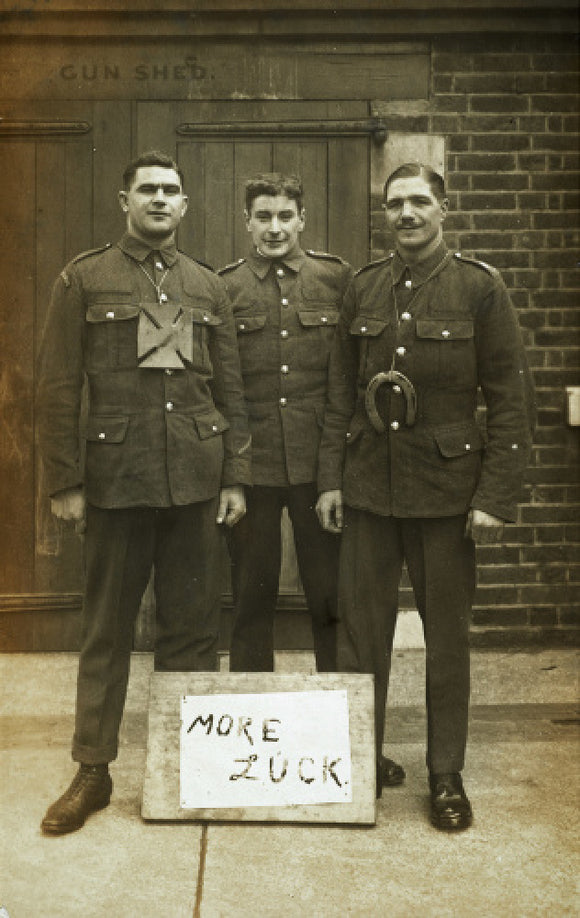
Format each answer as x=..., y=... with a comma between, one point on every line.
x=508, y=109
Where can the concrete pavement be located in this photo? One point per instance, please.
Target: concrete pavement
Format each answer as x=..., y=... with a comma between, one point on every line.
x=519, y=859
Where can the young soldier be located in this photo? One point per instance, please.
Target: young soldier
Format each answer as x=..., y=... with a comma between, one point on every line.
x=167, y=451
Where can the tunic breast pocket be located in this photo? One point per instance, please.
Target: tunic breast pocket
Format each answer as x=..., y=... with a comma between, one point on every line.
x=448, y=350
x=373, y=347
x=254, y=346
x=111, y=335
x=318, y=325
x=203, y=321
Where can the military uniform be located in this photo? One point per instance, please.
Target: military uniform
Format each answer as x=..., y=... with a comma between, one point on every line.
x=152, y=335
x=285, y=313
x=414, y=345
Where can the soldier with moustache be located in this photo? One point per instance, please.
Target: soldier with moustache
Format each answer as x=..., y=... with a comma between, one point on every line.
x=166, y=453
x=286, y=303
x=405, y=471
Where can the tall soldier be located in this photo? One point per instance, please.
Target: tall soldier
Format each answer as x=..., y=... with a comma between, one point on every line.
x=285, y=304
x=421, y=332
x=167, y=452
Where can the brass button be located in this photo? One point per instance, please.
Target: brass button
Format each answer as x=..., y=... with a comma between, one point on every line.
x=446, y=333
x=324, y=320
x=408, y=283
x=163, y=298
x=168, y=372
x=280, y=272
x=214, y=427
x=406, y=316
x=110, y=314
x=284, y=368
x=394, y=425
x=396, y=389
x=401, y=351
x=242, y=326
x=284, y=333
x=468, y=446
x=102, y=435
x=283, y=402
x=284, y=301
x=169, y=406
x=363, y=329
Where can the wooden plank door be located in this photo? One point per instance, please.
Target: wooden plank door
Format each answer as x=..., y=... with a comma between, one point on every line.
x=57, y=204
x=335, y=173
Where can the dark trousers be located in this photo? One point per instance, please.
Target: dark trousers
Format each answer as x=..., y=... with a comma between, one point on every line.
x=441, y=565
x=184, y=547
x=255, y=547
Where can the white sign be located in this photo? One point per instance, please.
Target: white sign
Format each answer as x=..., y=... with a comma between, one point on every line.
x=267, y=749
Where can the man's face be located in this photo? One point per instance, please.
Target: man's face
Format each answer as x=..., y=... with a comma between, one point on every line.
x=415, y=215
x=154, y=203
x=275, y=224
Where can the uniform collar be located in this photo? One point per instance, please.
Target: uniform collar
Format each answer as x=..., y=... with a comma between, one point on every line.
x=260, y=265
x=139, y=251
x=420, y=271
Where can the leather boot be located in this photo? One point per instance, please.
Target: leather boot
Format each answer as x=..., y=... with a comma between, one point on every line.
x=89, y=791
x=450, y=808
x=389, y=774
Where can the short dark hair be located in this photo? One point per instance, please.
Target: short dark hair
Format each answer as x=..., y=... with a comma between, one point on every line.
x=413, y=170
x=150, y=158
x=274, y=183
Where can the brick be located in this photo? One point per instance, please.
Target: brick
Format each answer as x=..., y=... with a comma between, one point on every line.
x=485, y=616
x=556, y=142
x=548, y=593
x=530, y=82
x=503, y=574
x=531, y=239
x=531, y=318
x=558, y=259
x=452, y=63
x=531, y=280
x=443, y=83
x=555, y=124
x=555, y=220
x=489, y=123
x=543, y=617
x=408, y=123
x=555, y=181
x=497, y=554
x=457, y=222
x=531, y=200
x=499, y=181
x=543, y=514
x=457, y=181
x=554, y=163
x=488, y=201
x=571, y=201
x=571, y=123
x=570, y=616
x=532, y=124
x=553, y=533
x=562, y=82
x=444, y=124
x=544, y=473
x=496, y=595
x=569, y=278
x=532, y=162
x=505, y=103
x=556, y=62
x=458, y=143
x=482, y=83
x=499, y=142
x=572, y=533
x=511, y=260
x=554, y=103
x=507, y=221
x=487, y=162
x=501, y=62
x=560, y=298
x=571, y=161
x=552, y=337
x=549, y=494
x=484, y=241
x=450, y=102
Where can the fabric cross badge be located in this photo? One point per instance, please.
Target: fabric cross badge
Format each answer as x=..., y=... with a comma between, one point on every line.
x=165, y=337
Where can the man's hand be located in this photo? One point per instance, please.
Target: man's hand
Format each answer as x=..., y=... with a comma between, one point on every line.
x=70, y=505
x=483, y=527
x=329, y=510
x=232, y=505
